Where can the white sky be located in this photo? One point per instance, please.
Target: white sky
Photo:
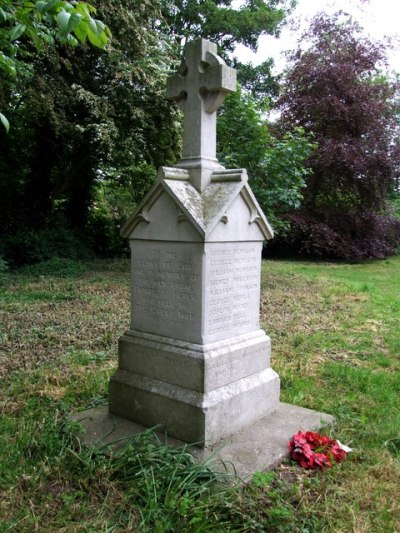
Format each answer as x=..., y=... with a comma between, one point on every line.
x=379, y=18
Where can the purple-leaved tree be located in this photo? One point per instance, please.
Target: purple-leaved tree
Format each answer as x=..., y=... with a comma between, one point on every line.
x=336, y=89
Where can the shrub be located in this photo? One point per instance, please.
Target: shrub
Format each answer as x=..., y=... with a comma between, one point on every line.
x=103, y=234
x=3, y=270
x=369, y=236
x=57, y=266
x=34, y=246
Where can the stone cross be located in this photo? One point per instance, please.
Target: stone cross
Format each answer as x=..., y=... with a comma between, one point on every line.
x=200, y=87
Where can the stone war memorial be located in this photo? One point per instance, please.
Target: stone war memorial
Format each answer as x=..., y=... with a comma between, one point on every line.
x=194, y=361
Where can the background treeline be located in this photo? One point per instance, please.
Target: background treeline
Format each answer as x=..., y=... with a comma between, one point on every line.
x=90, y=127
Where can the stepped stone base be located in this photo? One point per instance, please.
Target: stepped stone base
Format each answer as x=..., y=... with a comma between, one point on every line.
x=218, y=389
x=258, y=447
x=199, y=367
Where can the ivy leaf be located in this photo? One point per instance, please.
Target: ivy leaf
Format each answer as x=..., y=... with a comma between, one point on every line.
x=54, y=5
x=93, y=27
x=4, y=15
x=81, y=31
x=17, y=31
x=71, y=40
x=83, y=9
x=63, y=20
x=48, y=38
x=74, y=22
x=4, y=121
x=88, y=7
x=41, y=7
x=96, y=40
x=96, y=33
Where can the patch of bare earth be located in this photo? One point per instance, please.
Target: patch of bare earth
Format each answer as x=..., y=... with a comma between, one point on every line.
x=92, y=317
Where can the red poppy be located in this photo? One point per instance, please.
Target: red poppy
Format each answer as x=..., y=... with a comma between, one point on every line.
x=313, y=450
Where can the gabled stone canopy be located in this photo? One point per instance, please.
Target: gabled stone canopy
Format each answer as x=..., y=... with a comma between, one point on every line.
x=219, y=202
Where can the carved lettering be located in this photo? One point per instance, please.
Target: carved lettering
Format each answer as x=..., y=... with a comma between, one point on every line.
x=232, y=288
x=166, y=286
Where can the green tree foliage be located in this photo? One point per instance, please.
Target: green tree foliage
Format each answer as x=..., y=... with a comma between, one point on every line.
x=218, y=21
x=222, y=22
x=274, y=162
x=88, y=124
x=24, y=23
x=335, y=89
x=259, y=81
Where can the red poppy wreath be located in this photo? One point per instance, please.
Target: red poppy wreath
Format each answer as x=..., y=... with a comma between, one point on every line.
x=312, y=450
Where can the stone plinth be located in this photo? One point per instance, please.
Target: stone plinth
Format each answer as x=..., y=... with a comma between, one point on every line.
x=199, y=393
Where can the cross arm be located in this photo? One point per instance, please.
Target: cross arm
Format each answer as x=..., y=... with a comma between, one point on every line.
x=176, y=87
x=219, y=81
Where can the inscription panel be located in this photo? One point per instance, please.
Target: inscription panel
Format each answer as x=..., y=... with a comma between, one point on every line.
x=166, y=289
x=232, y=289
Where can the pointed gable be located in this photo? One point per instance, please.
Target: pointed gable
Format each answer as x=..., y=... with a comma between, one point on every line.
x=174, y=210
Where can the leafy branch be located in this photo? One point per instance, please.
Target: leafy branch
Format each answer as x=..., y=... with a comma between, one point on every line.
x=40, y=23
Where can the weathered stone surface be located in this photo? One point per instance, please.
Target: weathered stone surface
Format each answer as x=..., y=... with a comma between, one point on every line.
x=175, y=210
x=195, y=292
x=258, y=447
x=201, y=418
x=231, y=289
x=194, y=360
x=200, y=367
x=167, y=284
x=199, y=87
x=197, y=392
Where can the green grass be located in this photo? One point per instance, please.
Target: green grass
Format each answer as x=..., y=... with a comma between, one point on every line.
x=335, y=343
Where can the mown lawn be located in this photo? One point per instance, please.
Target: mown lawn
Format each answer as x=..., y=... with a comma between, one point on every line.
x=335, y=330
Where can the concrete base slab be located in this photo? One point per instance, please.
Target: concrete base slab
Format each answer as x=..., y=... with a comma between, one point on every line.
x=258, y=447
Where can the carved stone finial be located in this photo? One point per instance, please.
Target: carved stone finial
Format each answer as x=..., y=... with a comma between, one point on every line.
x=200, y=87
